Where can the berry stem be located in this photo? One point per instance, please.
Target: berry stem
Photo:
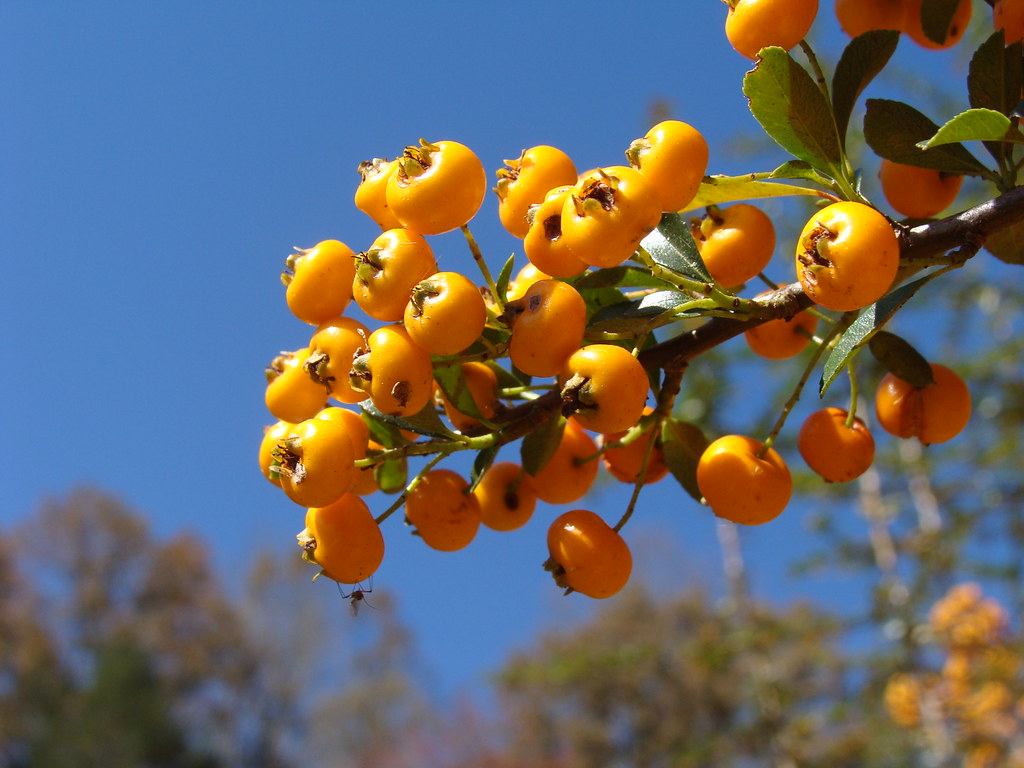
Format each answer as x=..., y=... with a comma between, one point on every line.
x=478, y=257
x=400, y=501
x=640, y=477
x=812, y=364
x=851, y=413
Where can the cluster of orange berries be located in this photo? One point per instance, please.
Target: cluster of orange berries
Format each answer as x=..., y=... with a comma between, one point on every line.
x=977, y=695
x=327, y=457
x=324, y=456
x=755, y=24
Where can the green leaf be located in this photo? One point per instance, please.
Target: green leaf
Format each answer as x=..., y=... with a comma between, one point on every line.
x=974, y=125
x=683, y=444
x=867, y=324
x=994, y=77
x=899, y=357
x=382, y=432
x=426, y=422
x=862, y=60
x=640, y=314
x=508, y=376
x=894, y=129
x=540, y=445
x=624, y=276
x=597, y=299
x=483, y=461
x=994, y=81
x=453, y=384
x=798, y=169
x=936, y=18
x=671, y=246
x=1007, y=244
x=391, y=475
x=505, y=276
x=791, y=108
x=715, y=190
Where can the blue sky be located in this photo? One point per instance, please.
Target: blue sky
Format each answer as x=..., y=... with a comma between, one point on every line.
x=161, y=159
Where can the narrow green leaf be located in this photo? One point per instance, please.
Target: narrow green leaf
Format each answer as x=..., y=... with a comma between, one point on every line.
x=798, y=169
x=639, y=314
x=383, y=432
x=624, y=276
x=451, y=381
x=483, y=461
x=683, y=443
x=893, y=129
x=898, y=356
x=505, y=276
x=671, y=246
x=862, y=60
x=540, y=445
x=508, y=376
x=791, y=108
x=715, y=190
x=972, y=125
x=426, y=422
x=597, y=299
x=867, y=324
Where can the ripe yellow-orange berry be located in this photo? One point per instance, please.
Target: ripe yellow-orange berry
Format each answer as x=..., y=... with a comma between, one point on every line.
x=934, y=414
x=756, y=24
x=739, y=484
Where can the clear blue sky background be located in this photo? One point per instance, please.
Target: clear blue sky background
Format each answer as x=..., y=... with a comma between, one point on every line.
x=159, y=161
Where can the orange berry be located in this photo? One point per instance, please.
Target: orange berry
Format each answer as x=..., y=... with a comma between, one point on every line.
x=604, y=387
x=543, y=243
x=674, y=157
x=291, y=395
x=315, y=462
x=1008, y=15
x=588, y=555
x=445, y=514
x=608, y=213
x=741, y=486
x=388, y=270
x=919, y=193
x=847, y=256
x=438, y=187
x=859, y=16
x=446, y=313
x=837, y=452
x=782, y=338
x=331, y=349
x=934, y=414
x=568, y=475
x=526, y=180
x=736, y=243
x=755, y=24
x=344, y=540
x=625, y=462
x=507, y=496
x=319, y=281
x=271, y=436
x=915, y=30
x=371, y=194
x=547, y=327
x=396, y=373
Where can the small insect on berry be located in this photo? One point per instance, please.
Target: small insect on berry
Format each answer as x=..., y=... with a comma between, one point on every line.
x=356, y=596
